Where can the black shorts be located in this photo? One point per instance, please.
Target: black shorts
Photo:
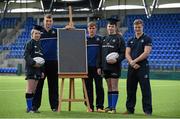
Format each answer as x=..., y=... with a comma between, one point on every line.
x=35, y=77
x=110, y=74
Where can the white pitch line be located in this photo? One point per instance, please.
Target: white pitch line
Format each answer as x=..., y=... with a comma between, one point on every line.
x=164, y=85
x=15, y=90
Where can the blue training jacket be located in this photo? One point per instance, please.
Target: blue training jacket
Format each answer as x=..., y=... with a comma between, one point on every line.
x=49, y=44
x=93, y=47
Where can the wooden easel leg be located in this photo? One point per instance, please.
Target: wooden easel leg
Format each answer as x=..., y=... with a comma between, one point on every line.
x=61, y=95
x=85, y=93
x=71, y=92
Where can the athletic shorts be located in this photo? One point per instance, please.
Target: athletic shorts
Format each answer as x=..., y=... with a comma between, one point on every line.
x=110, y=74
x=35, y=77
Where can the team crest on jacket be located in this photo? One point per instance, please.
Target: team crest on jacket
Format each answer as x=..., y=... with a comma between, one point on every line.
x=131, y=42
x=53, y=32
x=97, y=39
x=113, y=40
x=142, y=41
x=146, y=76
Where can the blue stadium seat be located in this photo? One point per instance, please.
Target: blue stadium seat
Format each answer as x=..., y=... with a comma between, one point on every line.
x=8, y=70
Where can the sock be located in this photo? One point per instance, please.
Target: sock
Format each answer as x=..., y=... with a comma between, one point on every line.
x=109, y=99
x=29, y=98
x=114, y=99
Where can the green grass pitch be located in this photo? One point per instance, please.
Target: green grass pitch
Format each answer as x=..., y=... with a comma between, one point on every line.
x=165, y=94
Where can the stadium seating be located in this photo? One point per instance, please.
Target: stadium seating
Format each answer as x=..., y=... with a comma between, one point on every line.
x=17, y=48
x=8, y=70
x=163, y=28
x=8, y=22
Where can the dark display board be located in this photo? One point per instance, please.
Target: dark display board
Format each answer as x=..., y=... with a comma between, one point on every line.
x=72, y=53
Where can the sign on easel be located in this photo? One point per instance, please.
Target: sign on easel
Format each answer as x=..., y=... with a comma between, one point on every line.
x=72, y=54
x=72, y=63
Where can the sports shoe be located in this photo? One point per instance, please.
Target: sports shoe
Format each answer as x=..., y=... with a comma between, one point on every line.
x=112, y=111
x=100, y=110
x=147, y=114
x=90, y=110
x=36, y=111
x=107, y=109
x=128, y=112
x=54, y=110
x=29, y=111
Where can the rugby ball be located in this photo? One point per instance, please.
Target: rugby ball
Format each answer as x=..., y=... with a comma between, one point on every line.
x=112, y=55
x=39, y=60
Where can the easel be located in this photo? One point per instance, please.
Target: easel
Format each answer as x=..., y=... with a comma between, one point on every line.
x=72, y=77
x=72, y=92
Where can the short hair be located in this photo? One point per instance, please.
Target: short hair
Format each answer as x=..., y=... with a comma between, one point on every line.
x=48, y=16
x=91, y=24
x=138, y=21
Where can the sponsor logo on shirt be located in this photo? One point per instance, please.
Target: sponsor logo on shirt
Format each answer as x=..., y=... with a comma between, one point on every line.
x=142, y=41
x=38, y=52
x=107, y=46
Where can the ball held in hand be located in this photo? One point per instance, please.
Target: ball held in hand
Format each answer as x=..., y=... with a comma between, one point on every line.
x=39, y=60
x=112, y=56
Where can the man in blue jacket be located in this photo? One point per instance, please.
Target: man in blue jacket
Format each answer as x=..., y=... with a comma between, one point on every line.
x=49, y=47
x=93, y=47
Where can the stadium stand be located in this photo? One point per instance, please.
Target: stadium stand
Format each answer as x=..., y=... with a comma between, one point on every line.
x=165, y=32
x=163, y=28
x=8, y=70
x=17, y=48
x=8, y=22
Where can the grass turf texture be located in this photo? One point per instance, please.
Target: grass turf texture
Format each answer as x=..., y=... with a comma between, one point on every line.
x=165, y=94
